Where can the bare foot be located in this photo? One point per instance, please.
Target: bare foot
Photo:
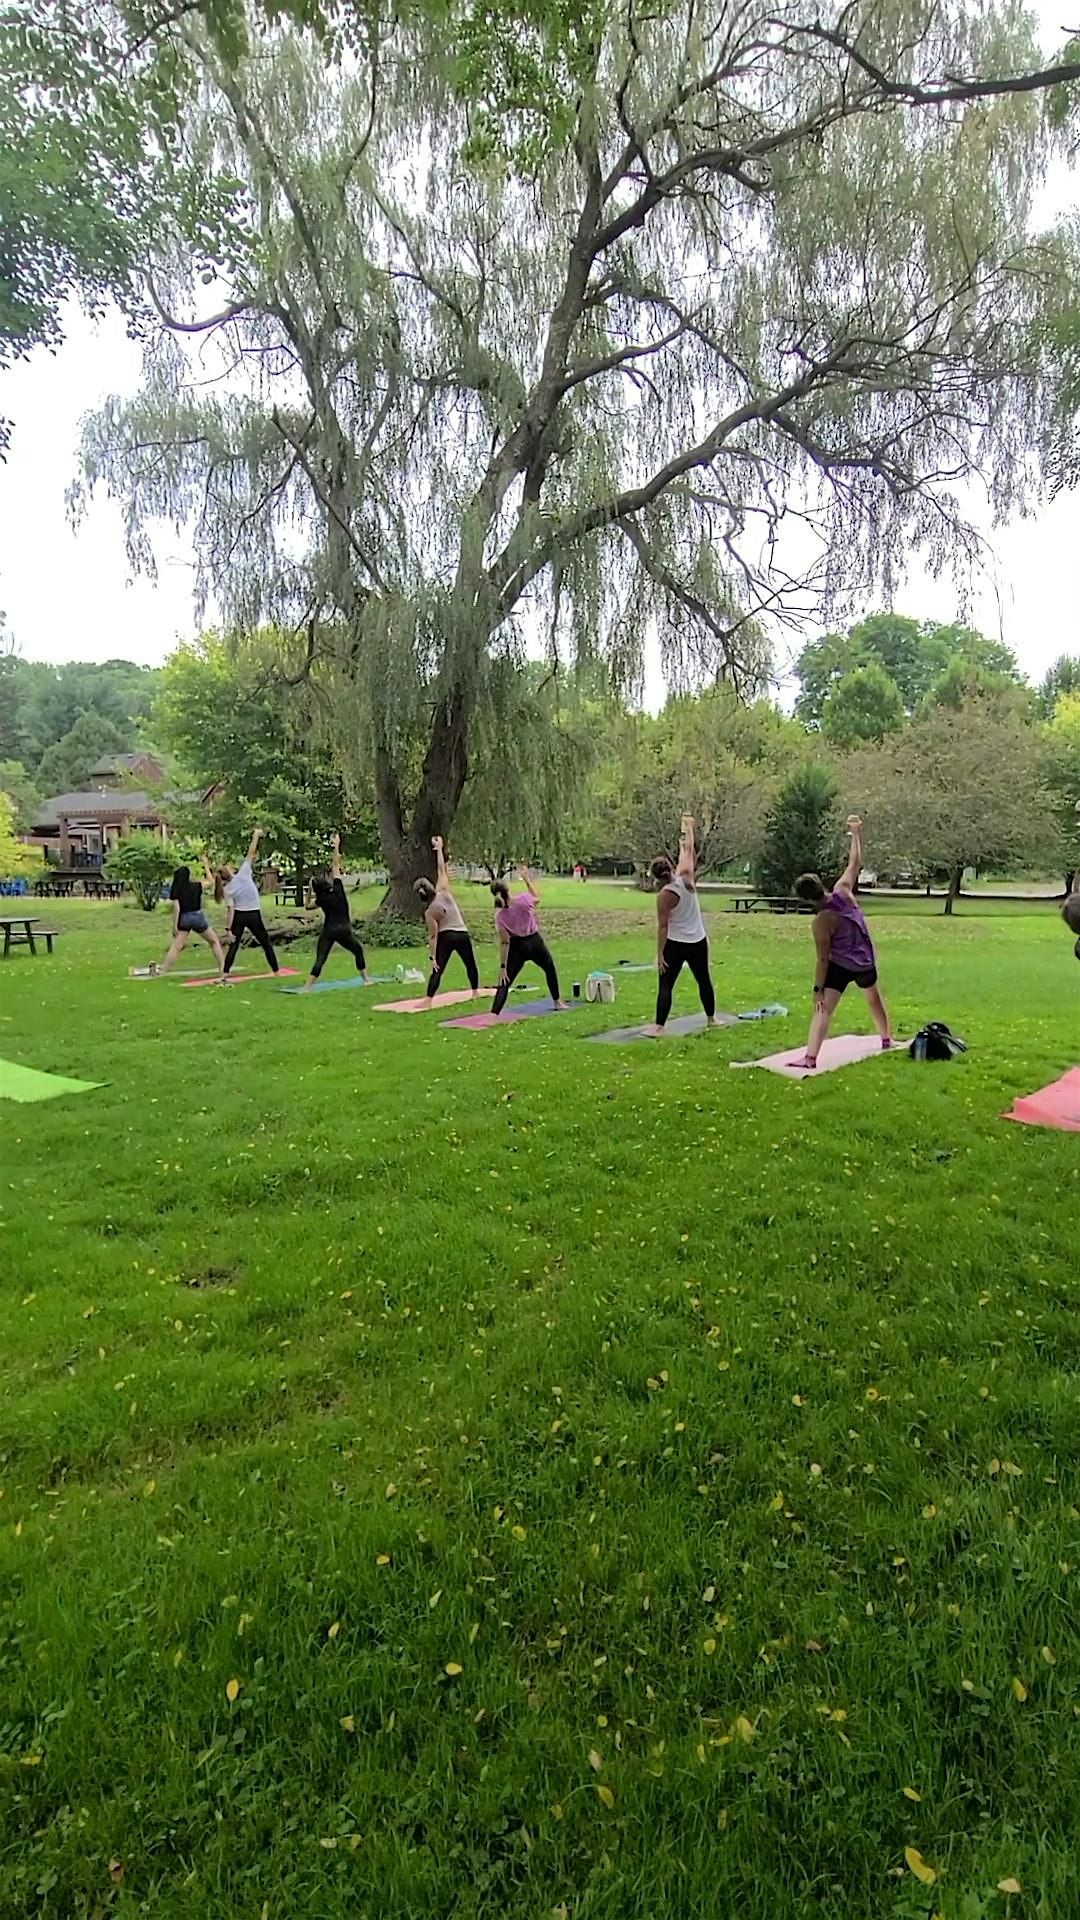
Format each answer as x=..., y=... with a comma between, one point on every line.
x=808, y=1064
x=653, y=1033
x=562, y=1006
x=426, y=1004
x=886, y=1042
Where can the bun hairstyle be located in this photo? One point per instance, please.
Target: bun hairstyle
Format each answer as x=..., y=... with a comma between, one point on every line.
x=500, y=893
x=811, y=887
x=662, y=868
x=424, y=890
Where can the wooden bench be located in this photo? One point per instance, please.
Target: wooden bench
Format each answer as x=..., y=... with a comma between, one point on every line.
x=29, y=937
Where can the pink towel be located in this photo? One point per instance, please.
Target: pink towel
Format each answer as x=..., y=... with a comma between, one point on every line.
x=421, y=1006
x=239, y=979
x=1057, y=1105
x=840, y=1050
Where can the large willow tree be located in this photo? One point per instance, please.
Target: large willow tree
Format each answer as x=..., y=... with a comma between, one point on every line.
x=728, y=347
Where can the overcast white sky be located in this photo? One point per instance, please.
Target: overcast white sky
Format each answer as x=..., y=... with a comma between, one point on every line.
x=69, y=595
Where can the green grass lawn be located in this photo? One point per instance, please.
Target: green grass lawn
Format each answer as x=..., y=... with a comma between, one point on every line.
x=481, y=1474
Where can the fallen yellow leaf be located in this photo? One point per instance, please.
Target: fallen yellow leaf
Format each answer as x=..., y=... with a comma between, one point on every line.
x=709, y=1646
x=518, y=1533
x=333, y=1630
x=348, y=1723
x=1019, y=1689
x=595, y=1761
x=1009, y=1886
x=453, y=1669
x=745, y=1728
x=910, y=1793
x=1049, y=1656
x=924, y=1873
x=382, y=1559
x=232, y=1689
x=606, y=1797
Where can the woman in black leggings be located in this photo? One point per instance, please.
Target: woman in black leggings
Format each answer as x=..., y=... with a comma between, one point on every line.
x=447, y=932
x=328, y=894
x=239, y=889
x=520, y=940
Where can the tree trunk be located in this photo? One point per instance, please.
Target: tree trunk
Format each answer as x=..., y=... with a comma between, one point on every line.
x=956, y=875
x=407, y=848
x=1070, y=882
x=298, y=864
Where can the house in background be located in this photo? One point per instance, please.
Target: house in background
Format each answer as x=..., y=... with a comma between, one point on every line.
x=75, y=831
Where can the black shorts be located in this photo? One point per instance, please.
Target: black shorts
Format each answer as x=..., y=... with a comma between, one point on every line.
x=838, y=978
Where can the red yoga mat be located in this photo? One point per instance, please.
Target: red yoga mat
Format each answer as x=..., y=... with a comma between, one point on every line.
x=1057, y=1105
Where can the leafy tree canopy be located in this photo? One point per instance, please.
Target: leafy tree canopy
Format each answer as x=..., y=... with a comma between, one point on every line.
x=865, y=705
x=457, y=398
x=66, y=766
x=916, y=655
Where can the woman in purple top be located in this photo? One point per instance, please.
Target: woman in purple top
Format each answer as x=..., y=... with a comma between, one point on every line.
x=520, y=939
x=845, y=951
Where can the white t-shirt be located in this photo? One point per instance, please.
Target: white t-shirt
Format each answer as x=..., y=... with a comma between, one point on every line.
x=686, y=924
x=242, y=891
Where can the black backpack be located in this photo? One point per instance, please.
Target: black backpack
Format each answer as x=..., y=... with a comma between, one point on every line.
x=936, y=1041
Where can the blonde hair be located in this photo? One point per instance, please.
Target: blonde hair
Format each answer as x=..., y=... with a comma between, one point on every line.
x=221, y=875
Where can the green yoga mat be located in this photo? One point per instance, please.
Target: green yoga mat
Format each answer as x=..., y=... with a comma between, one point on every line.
x=26, y=1083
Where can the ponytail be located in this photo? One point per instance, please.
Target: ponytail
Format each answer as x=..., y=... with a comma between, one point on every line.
x=500, y=893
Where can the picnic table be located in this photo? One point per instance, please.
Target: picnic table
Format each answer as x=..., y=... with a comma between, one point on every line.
x=773, y=902
x=32, y=930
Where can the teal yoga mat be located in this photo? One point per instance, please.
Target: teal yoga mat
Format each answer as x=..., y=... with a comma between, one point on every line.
x=339, y=986
x=27, y=1083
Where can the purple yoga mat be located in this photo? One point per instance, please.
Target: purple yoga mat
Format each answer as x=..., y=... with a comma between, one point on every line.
x=841, y=1050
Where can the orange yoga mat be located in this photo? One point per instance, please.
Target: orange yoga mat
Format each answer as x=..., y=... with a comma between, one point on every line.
x=1057, y=1105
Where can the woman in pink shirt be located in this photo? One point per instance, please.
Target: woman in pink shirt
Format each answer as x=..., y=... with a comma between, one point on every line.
x=520, y=939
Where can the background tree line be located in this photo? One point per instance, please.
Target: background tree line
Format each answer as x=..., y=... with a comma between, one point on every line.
x=930, y=731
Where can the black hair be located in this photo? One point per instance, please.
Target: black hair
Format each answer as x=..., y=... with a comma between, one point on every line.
x=181, y=877
x=424, y=888
x=501, y=892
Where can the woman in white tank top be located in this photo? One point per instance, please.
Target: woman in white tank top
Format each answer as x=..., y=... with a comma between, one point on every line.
x=681, y=940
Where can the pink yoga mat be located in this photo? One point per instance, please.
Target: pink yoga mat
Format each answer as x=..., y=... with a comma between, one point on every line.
x=421, y=1006
x=842, y=1050
x=240, y=979
x=1057, y=1105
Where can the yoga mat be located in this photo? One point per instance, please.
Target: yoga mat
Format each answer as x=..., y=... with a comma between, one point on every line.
x=685, y=1023
x=1057, y=1105
x=421, y=1006
x=476, y=1021
x=338, y=986
x=174, y=973
x=27, y=1083
x=636, y=966
x=243, y=979
x=840, y=1050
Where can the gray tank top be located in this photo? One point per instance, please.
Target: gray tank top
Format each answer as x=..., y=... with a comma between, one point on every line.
x=686, y=924
x=448, y=914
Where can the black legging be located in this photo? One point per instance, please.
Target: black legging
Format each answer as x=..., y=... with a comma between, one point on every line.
x=679, y=954
x=523, y=948
x=250, y=923
x=337, y=937
x=446, y=944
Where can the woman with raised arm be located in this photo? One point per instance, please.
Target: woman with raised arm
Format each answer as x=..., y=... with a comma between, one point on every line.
x=447, y=932
x=188, y=917
x=239, y=889
x=328, y=894
x=521, y=942
x=844, y=950
x=681, y=940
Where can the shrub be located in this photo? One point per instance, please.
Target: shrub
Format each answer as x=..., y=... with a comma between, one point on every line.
x=143, y=863
x=389, y=930
x=802, y=832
